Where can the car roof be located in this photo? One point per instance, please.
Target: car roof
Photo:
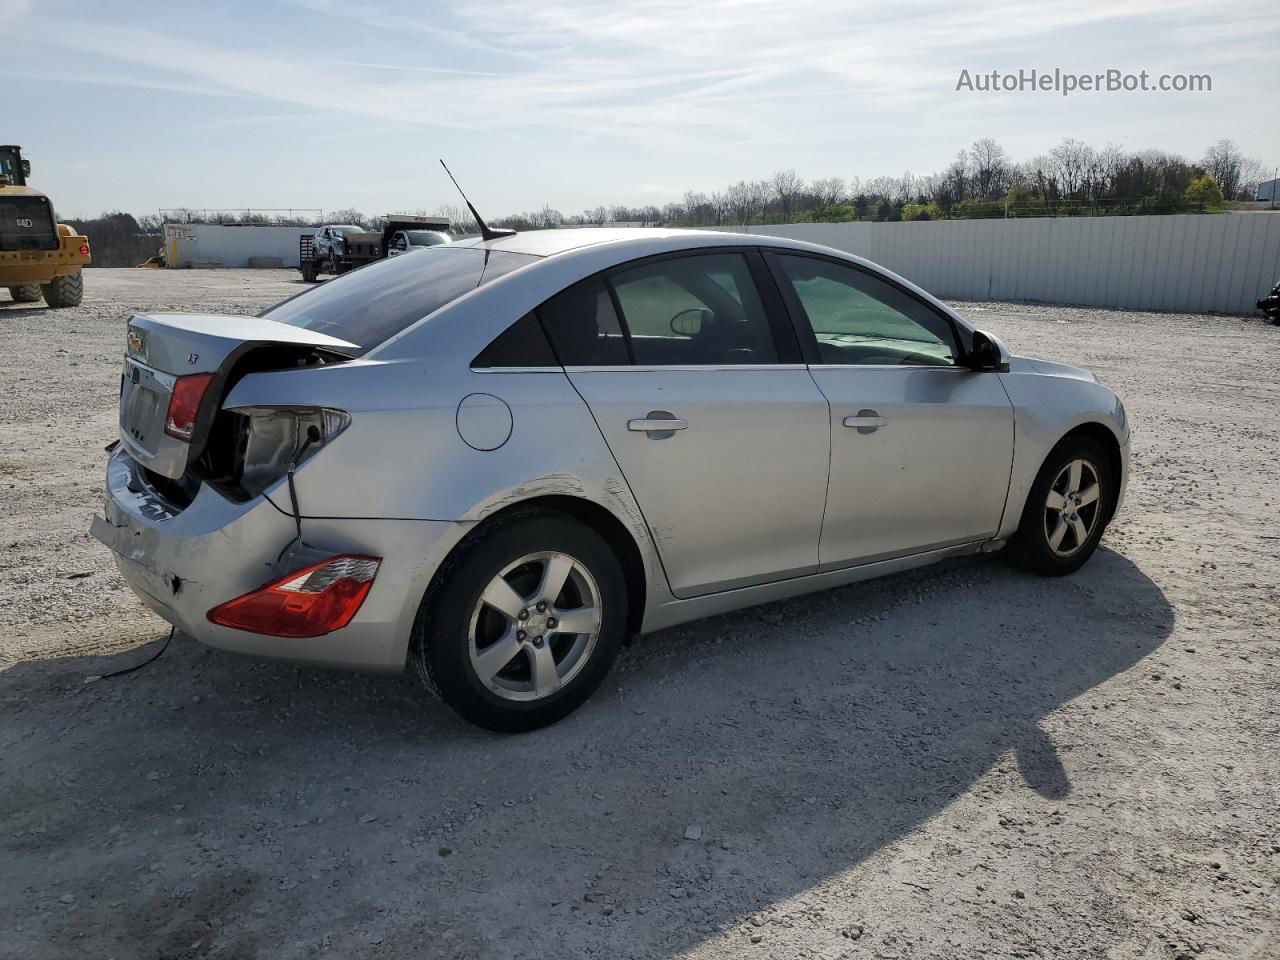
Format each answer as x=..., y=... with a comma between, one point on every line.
x=547, y=243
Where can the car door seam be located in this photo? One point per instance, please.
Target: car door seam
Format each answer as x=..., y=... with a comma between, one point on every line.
x=1013, y=451
x=627, y=483
x=826, y=498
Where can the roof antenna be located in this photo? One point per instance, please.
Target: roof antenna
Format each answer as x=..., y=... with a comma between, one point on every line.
x=486, y=231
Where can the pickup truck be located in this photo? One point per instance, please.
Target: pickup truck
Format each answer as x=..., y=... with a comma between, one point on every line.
x=338, y=247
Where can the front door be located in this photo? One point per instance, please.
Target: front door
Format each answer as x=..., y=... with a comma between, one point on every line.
x=921, y=445
x=723, y=444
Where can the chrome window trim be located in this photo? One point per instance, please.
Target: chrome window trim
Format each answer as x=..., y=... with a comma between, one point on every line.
x=952, y=367
x=905, y=367
x=671, y=368
x=517, y=369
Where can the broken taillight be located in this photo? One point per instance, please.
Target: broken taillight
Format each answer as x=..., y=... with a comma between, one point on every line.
x=184, y=405
x=310, y=603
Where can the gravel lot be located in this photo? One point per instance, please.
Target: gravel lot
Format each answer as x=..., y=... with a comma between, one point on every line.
x=966, y=761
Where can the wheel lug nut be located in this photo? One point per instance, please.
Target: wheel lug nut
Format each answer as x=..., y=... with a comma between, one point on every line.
x=552, y=622
x=520, y=634
x=537, y=642
x=542, y=605
x=524, y=614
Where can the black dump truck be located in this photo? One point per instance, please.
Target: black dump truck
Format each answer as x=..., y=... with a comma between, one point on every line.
x=338, y=247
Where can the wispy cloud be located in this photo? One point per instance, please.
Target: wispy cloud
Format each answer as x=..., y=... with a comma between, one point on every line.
x=661, y=86
x=12, y=10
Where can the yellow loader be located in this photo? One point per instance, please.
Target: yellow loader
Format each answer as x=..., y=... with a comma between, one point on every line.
x=39, y=257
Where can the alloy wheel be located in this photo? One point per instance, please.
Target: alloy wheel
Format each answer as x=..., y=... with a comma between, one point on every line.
x=534, y=626
x=1072, y=508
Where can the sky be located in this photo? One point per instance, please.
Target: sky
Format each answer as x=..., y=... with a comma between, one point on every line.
x=331, y=104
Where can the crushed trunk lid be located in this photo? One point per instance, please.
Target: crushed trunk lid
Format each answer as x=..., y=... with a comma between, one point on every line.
x=163, y=347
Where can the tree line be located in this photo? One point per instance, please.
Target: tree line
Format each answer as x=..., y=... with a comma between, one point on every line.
x=1072, y=179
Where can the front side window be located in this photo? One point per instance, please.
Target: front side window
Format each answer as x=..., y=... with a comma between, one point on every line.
x=858, y=318
x=697, y=309
x=374, y=303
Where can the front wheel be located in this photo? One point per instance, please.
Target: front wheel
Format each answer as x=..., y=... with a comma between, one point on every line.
x=521, y=628
x=64, y=291
x=25, y=293
x=1068, y=507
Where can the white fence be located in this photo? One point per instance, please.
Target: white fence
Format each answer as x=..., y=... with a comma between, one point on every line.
x=1219, y=263
x=218, y=245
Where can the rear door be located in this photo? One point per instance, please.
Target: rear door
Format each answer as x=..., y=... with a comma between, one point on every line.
x=921, y=445
x=692, y=375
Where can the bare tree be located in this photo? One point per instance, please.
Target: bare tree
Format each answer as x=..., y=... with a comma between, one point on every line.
x=881, y=188
x=459, y=217
x=907, y=187
x=1071, y=160
x=827, y=191
x=990, y=168
x=1252, y=173
x=786, y=185
x=1237, y=175
x=758, y=193
x=719, y=207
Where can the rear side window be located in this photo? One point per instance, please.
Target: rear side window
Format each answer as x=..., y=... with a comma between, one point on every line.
x=583, y=326
x=690, y=310
x=374, y=303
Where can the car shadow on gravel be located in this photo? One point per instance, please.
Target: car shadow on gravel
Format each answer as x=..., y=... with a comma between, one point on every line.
x=210, y=805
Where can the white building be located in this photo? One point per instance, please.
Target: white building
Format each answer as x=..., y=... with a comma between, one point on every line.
x=217, y=245
x=1268, y=190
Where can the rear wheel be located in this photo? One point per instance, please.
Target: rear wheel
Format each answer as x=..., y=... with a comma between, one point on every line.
x=64, y=291
x=1067, y=509
x=25, y=293
x=333, y=263
x=309, y=270
x=522, y=627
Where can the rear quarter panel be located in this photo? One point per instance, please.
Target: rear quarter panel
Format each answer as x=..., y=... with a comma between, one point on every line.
x=403, y=458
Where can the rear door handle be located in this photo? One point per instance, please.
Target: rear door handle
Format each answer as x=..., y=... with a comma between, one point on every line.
x=658, y=424
x=867, y=421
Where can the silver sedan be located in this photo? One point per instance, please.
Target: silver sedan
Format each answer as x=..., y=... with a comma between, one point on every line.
x=496, y=460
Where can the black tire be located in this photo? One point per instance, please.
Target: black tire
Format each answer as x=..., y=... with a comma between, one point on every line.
x=309, y=270
x=333, y=263
x=25, y=293
x=1030, y=547
x=64, y=291
x=440, y=648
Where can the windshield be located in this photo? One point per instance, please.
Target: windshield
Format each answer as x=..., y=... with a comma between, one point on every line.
x=425, y=238
x=374, y=303
x=10, y=167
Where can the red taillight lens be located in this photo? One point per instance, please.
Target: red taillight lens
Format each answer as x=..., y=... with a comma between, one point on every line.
x=310, y=603
x=184, y=404
x=84, y=249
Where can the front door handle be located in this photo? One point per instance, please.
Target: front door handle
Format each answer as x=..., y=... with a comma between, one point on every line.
x=657, y=424
x=867, y=421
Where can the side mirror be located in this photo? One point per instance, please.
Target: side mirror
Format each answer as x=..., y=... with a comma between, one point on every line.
x=26, y=168
x=688, y=323
x=988, y=353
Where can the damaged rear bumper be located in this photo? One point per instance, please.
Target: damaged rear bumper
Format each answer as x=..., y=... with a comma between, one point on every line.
x=183, y=563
